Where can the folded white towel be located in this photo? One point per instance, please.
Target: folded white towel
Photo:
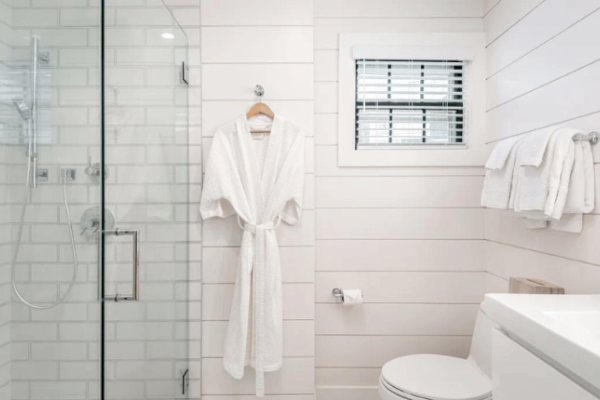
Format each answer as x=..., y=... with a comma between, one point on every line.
x=572, y=223
x=535, y=146
x=590, y=180
x=499, y=174
x=546, y=176
x=561, y=170
x=501, y=153
x=532, y=187
x=579, y=197
x=535, y=223
x=571, y=185
x=514, y=191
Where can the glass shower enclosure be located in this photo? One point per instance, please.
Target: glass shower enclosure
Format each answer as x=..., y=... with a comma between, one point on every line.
x=93, y=201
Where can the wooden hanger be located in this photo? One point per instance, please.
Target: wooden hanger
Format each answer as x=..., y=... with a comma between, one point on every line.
x=260, y=108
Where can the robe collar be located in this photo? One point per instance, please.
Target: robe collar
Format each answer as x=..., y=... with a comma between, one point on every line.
x=263, y=181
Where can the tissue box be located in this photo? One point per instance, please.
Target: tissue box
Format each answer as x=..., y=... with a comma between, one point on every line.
x=533, y=286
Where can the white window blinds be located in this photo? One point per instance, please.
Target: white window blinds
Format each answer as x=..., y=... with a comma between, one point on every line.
x=410, y=103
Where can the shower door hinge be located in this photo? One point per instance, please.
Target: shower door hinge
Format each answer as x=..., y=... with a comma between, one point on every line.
x=185, y=381
x=185, y=73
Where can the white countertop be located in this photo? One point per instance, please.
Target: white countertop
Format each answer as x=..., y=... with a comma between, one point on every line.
x=563, y=328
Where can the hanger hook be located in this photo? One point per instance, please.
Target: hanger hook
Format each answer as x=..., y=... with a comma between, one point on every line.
x=259, y=91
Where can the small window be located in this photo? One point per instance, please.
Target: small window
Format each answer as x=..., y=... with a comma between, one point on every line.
x=410, y=103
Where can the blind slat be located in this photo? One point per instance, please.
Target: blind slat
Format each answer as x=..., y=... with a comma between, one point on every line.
x=408, y=85
x=411, y=107
x=405, y=130
x=411, y=63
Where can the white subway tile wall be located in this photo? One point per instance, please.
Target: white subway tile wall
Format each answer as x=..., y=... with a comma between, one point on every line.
x=151, y=156
x=7, y=116
x=410, y=238
x=542, y=57
x=266, y=42
x=55, y=351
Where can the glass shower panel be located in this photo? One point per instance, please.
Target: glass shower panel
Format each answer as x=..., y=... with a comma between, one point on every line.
x=49, y=128
x=146, y=167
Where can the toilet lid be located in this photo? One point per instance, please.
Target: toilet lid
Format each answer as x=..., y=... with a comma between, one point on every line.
x=437, y=377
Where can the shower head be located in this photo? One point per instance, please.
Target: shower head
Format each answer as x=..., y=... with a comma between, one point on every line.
x=23, y=109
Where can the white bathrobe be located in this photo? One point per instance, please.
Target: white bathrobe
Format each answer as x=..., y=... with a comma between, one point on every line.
x=260, y=178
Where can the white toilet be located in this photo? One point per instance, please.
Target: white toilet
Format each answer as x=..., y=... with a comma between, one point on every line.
x=437, y=377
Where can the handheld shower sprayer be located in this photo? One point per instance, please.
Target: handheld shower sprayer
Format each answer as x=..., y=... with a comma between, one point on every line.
x=23, y=109
x=29, y=115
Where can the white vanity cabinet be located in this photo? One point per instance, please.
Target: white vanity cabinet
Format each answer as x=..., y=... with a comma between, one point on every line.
x=518, y=374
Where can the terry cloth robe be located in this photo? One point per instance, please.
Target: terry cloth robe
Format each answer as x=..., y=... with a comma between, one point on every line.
x=260, y=178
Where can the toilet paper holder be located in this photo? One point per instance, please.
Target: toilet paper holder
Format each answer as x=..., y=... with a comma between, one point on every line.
x=337, y=292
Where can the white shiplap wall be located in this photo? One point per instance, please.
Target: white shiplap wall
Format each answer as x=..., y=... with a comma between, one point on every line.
x=411, y=238
x=543, y=61
x=267, y=42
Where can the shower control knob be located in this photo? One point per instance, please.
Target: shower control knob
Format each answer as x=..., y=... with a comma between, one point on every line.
x=93, y=171
x=89, y=224
x=92, y=224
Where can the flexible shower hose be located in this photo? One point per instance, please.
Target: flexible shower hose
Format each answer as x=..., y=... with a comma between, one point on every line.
x=18, y=245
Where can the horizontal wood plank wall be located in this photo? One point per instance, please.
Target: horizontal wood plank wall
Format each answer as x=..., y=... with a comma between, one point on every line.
x=410, y=238
x=266, y=42
x=543, y=66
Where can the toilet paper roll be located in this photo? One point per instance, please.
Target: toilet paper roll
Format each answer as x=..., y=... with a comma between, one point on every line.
x=352, y=297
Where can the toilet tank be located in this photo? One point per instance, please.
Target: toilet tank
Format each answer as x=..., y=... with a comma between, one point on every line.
x=481, y=344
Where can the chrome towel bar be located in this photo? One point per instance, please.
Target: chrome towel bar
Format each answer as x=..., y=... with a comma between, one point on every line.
x=591, y=137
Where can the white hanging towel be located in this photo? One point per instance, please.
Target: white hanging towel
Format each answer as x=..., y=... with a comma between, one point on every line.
x=576, y=192
x=576, y=196
x=544, y=185
x=535, y=145
x=501, y=153
x=260, y=178
x=499, y=174
x=572, y=223
x=561, y=171
x=565, y=178
x=531, y=153
x=538, y=186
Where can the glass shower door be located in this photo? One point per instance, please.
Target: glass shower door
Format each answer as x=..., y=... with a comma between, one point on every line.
x=146, y=191
x=49, y=128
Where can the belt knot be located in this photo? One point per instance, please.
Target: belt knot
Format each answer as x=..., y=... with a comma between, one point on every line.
x=253, y=228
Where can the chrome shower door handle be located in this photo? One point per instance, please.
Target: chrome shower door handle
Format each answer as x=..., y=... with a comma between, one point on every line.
x=135, y=296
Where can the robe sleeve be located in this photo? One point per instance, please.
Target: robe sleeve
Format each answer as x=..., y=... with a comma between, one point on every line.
x=292, y=210
x=220, y=170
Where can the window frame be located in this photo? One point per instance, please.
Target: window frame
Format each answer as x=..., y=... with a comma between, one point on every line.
x=462, y=113
x=416, y=46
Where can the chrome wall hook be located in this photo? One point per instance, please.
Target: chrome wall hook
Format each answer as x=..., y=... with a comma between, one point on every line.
x=259, y=91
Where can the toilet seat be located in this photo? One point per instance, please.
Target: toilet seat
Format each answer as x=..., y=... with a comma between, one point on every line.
x=434, y=377
x=387, y=392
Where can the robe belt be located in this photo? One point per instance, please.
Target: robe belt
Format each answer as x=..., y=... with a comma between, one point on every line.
x=258, y=230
